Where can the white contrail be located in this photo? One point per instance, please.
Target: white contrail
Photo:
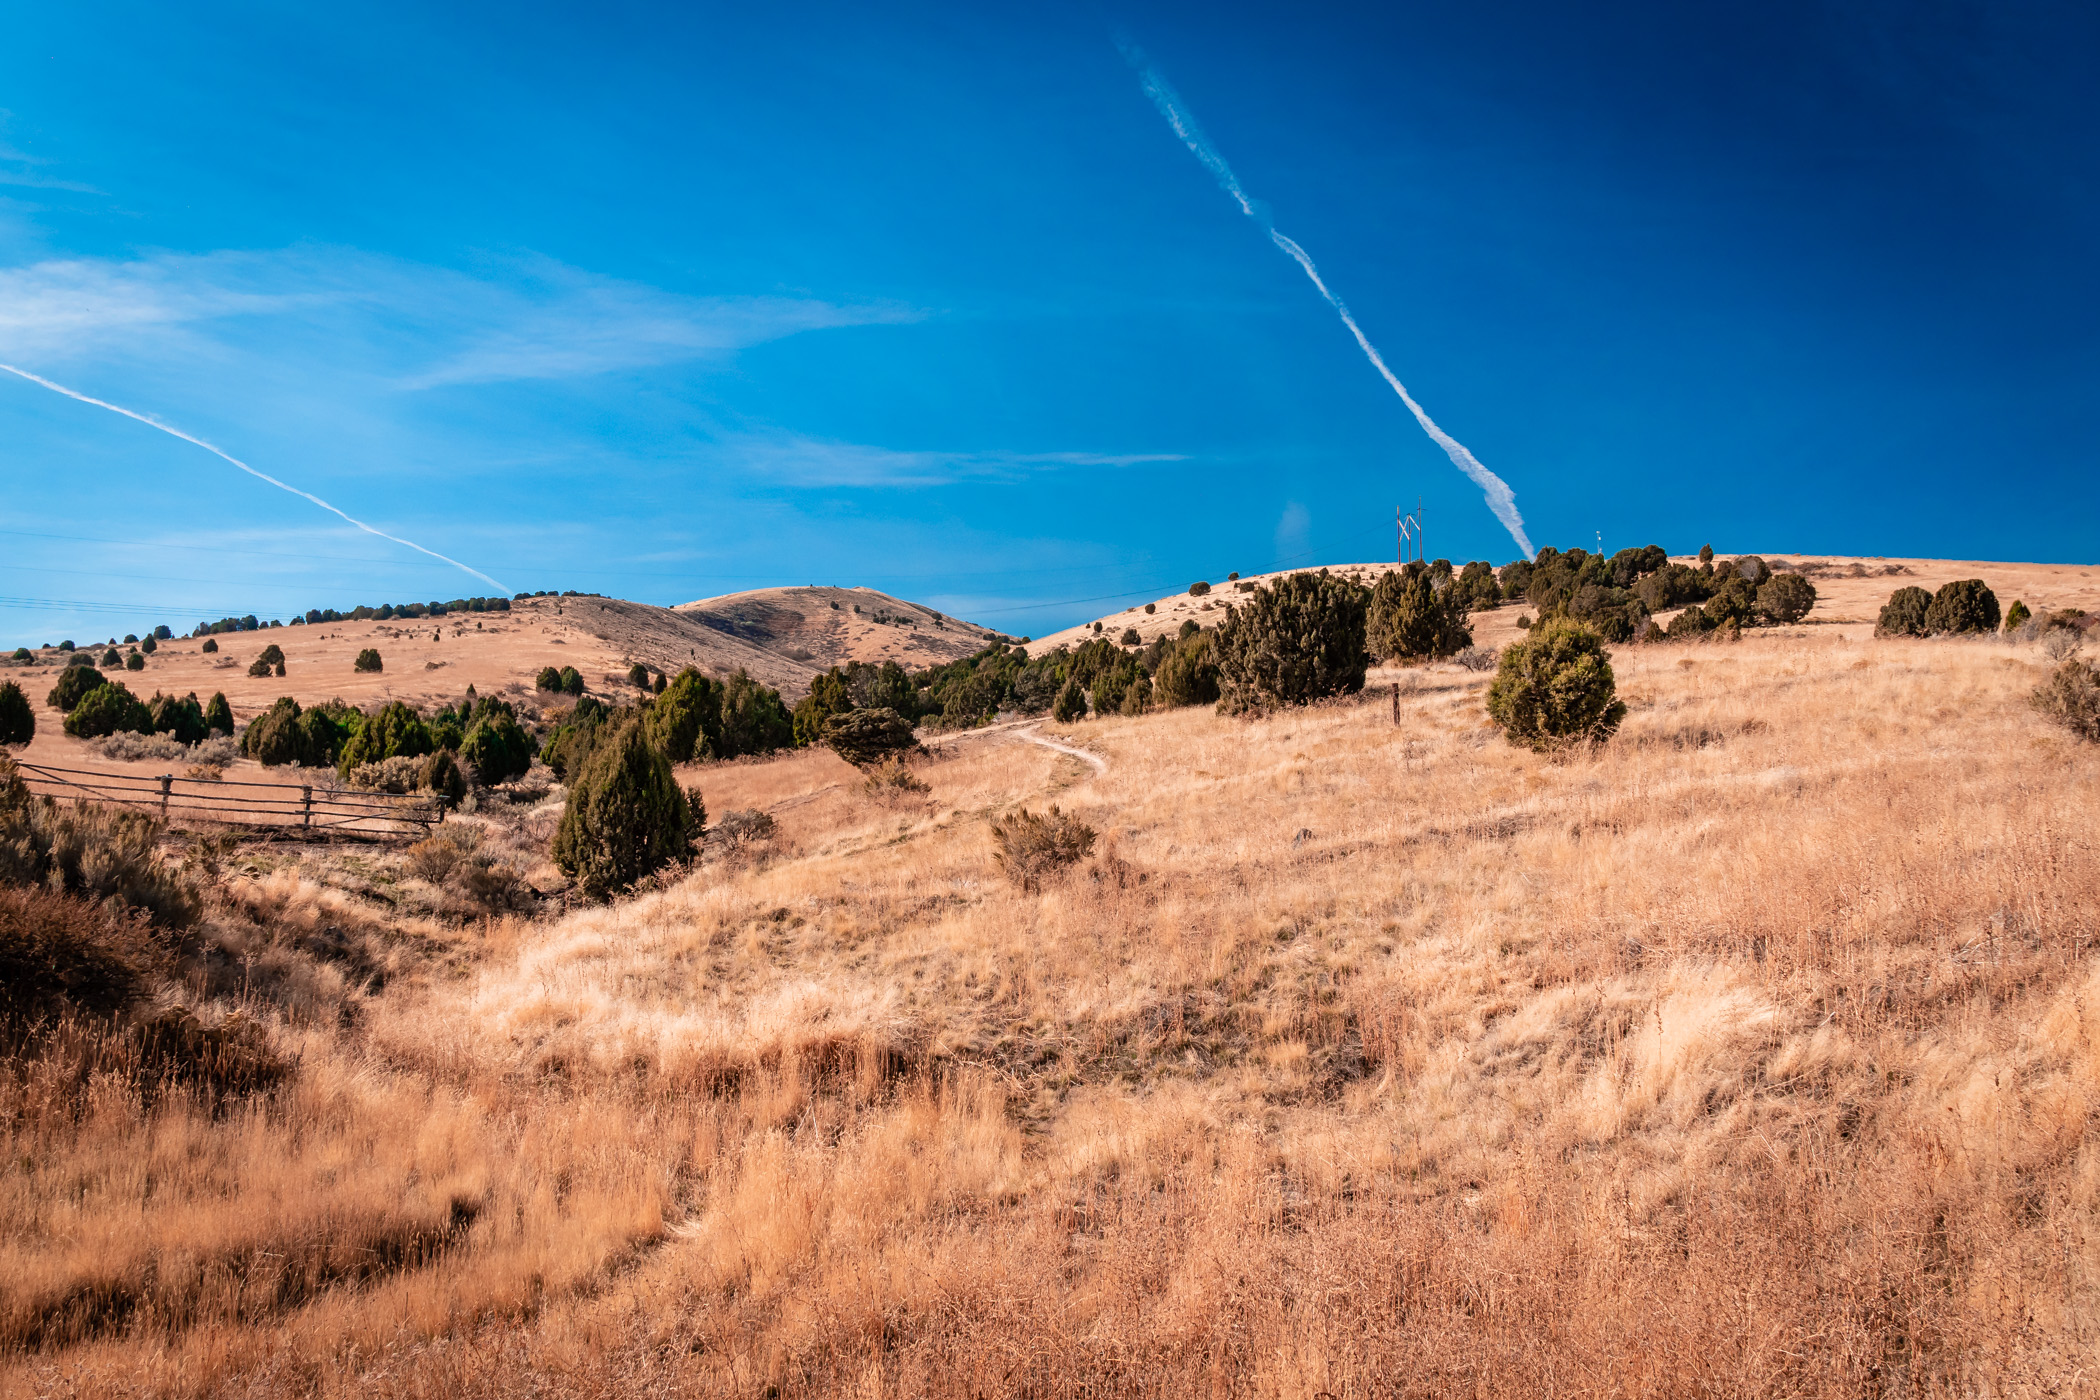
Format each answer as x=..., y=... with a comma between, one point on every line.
x=261, y=476
x=1500, y=499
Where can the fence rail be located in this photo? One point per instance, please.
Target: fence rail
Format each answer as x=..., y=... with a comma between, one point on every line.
x=279, y=807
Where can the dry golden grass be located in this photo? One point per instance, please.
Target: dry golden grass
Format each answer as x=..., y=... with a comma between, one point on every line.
x=1757, y=1054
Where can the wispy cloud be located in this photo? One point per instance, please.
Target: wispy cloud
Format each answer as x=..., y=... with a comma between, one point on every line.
x=794, y=460
x=420, y=326
x=18, y=167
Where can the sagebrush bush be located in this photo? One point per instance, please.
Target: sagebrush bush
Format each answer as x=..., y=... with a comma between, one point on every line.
x=1555, y=689
x=96, y=852
x=626, y=815
x=1903, y=615
x=1031, y=848
x=868, y=737
x=1964, y=605
x=60, y=954
x=1298, y=640
x=106, y=709
x=746, y=825
x=892, y=778
x=17, y=719
x=73, y=685
x=368, y=660
x=2071, y=698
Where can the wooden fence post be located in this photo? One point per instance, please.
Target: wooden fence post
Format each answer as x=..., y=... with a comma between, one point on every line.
x=167, y=781
x=1396, y=702
x=306, y=798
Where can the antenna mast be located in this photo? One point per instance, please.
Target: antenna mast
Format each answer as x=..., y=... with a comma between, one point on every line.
x=1410, y=532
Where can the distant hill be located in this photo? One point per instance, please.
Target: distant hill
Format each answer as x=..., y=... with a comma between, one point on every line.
x=781, y=636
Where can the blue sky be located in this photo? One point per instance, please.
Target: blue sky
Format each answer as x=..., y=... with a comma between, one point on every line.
x=664, y=302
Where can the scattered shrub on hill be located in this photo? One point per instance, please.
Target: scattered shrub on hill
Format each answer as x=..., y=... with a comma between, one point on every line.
x=746, y=825
x=1151, y=608
x=111, y=659
x=149, y=646
x=397, y=731
x=1198, y=589
x=272, y=655
x=496, y=744
x=106, y=709
x=211, y=646
x=258, y=667
x=135, y=662
x=218, y=715
x=571, y=681
x=2016, y=616
x=549, y=678
x=17, y=719
x=1479, y=658
x=1786, y=598
x=2071, y=698
x=22, y=656
x=1130, y=638
x=1904, y=614
x=1032, y=848
x=1964, y=605
x=1673, y=586
x=367, y=660
x=95, y=852
x=1706, y=554
x=180, y=719
x=638, y=676
x=1555, y=688
x=1410, y=619
x=1070, y=704
x=273, y=737
x=1188, y=674
x=73, y=685
x=626, y=815
x=865, y=738
x=1692, y=622
x=1299, y=639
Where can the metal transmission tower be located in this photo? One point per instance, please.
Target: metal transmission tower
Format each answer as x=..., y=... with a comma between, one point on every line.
x=1410, y=532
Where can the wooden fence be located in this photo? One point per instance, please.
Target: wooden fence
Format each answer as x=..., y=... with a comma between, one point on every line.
x=278, y=808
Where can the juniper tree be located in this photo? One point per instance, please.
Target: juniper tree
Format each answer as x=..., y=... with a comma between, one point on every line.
x=1964, y=605
x=218, y=715
x=73, y=685
x=109, y=708
x=17, y=719
x=1904, y=614
x=1410, y=619
x=626, y=816
x=1786, y=598
x=1555, y=688
x=1299, y=639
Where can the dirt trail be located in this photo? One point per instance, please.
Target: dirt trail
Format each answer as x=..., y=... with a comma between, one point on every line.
x=1100, y=764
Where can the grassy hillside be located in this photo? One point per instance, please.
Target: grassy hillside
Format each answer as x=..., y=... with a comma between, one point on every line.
x=1754, y=1054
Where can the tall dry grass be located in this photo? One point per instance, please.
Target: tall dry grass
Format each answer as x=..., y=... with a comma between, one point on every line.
x=1754, y=1055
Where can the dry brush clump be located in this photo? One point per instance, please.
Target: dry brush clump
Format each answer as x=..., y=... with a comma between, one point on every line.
x=1757, y=1066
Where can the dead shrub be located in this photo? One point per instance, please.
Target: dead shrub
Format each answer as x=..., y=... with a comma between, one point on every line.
x=59, y=954
x=745, y=826
x=2071, y=698
x=891, y=779
x=1032, y=848
x=95, y=852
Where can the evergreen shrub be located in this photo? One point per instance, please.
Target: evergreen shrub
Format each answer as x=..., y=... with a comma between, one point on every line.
x=865, y=738
x=211, y=645
x=17, y=719
x=218, y=715
x=1298, y=640
x=1786, y=598
x=108, y=709
x=368, y=660
x=626, y=816
x=1964, y=605
x=1903, y=615
x=1555, y=688
x=1409, y=619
